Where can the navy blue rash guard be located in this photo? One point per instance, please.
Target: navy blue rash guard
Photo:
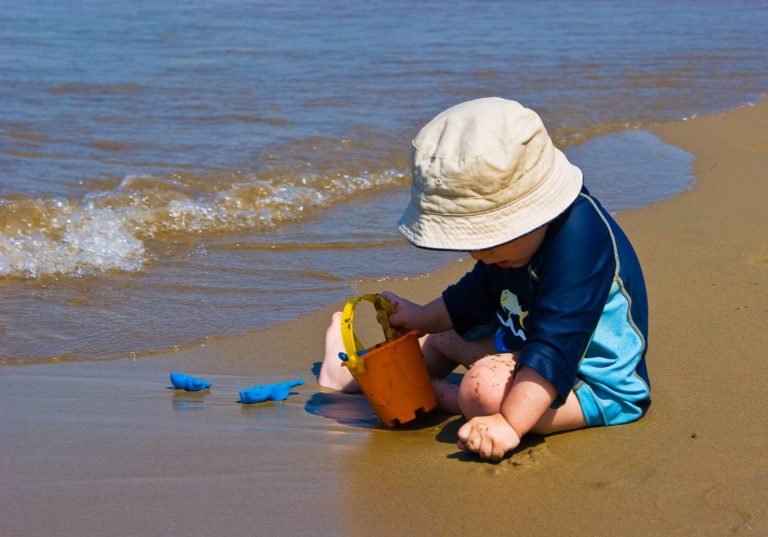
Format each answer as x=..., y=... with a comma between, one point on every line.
x=577, y=314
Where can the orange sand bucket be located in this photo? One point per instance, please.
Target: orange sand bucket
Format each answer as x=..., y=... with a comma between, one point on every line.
x=392, y=374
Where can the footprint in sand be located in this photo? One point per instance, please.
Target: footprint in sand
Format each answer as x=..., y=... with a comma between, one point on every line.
x=527, y=458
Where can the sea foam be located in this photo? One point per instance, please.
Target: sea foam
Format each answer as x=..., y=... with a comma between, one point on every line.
x=108, y=230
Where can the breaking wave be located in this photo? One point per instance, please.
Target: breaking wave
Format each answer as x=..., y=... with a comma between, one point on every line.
x=108, y=230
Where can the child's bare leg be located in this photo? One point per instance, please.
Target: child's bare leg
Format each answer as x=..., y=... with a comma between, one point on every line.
x=447, y=396
x=565, y=418
x=333, y=374
x=443, y=352
x=487, y=384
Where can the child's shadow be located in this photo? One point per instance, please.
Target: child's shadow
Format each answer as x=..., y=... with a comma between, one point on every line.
x=355, y=410
x=450, y=434
x=345, y=408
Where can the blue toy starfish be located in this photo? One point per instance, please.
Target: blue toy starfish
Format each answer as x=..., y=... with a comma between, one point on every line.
x=278, y=391
x=181, y=381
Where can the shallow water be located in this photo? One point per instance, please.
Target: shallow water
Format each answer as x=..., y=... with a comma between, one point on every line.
x=171, y=172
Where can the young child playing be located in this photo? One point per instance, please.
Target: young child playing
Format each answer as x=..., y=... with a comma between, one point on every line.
x=552, y=321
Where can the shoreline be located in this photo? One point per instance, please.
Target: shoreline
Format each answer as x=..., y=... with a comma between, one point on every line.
x=103, y=447
x=66, y=329
x=639, y=147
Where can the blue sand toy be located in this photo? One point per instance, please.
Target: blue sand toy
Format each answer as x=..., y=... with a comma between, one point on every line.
x=345, y=358
x=190, y=384
x=278, y=391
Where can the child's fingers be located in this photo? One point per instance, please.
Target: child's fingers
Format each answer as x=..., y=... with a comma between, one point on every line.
x=399, y=319
x=474, y=436
x=392, y=298
x=397, y=332
x=485, y=442
x=469, y=436
x=486, y=447
x=397, y=302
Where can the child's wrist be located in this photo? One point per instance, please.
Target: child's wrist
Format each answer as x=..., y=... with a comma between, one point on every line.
x=436, y=316
x=514, y=424
x=515, y=428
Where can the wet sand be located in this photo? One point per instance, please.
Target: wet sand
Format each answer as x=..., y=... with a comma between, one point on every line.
x=105, y=448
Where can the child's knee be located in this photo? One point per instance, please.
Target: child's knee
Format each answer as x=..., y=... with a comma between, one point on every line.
x=485, y=386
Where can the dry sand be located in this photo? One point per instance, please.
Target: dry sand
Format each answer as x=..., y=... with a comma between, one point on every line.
x=104, y=448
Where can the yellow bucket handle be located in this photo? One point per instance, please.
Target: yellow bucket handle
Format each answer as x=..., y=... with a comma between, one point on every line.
x=384, y=308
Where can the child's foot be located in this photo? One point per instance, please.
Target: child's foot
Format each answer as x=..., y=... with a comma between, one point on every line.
x=333, y=374
x=447, y=396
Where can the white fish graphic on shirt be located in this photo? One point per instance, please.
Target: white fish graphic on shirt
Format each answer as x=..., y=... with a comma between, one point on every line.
x=511, y=305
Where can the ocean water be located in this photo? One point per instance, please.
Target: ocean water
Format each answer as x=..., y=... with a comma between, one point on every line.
x=175, y=171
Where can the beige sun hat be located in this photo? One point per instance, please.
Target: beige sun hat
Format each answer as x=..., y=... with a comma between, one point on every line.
x=485, y=172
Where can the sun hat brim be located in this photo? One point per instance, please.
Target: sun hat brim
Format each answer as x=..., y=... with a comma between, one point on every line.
x=481, y=231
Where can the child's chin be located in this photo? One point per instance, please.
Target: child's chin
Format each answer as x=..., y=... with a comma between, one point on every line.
x=513, y=264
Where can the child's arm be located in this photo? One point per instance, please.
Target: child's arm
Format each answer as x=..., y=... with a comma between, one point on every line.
x=427, y=319
x=531, y=395
x=493, y=436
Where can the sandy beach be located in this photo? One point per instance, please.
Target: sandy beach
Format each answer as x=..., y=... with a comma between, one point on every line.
x=106, y=448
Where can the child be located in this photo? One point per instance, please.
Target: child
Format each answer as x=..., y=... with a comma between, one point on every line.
x=552, y=321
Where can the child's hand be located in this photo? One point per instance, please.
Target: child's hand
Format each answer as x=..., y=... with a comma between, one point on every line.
x=491, y=437
x=408, y=315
